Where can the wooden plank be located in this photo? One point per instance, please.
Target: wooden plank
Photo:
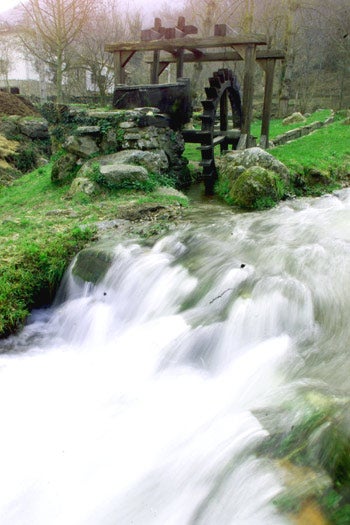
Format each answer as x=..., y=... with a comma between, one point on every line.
x=225, y=56
x=187, y=43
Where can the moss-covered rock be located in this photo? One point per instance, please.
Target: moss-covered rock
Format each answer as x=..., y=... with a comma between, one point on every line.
x=256, y=188
x=64, y=168
x=92, y=263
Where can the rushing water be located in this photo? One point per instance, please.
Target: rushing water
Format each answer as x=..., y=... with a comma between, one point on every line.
x=144, y=399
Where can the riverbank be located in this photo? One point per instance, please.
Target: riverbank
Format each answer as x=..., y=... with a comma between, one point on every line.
x=42, y=228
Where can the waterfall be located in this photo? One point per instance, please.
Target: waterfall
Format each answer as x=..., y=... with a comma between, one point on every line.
x=148, y=398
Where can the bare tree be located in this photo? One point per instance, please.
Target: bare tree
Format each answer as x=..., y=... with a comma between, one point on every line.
x=49, y=28
x=110, y=23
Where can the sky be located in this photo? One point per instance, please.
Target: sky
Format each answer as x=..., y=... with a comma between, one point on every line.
x=150, y=4
x=7, y=4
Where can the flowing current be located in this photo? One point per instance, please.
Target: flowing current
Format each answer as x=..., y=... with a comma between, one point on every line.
x=144, y=399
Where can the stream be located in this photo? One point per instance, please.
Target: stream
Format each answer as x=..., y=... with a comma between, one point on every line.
x=152, y=398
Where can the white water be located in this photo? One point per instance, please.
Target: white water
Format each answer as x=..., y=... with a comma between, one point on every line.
x=135, y=401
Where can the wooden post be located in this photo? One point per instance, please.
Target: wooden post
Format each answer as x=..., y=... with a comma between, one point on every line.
x=268, y=66
x=180, y=64
x=155, y=67
x=119, y=74
x=248, y=92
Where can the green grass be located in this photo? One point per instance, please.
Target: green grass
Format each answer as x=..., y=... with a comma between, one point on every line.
x=278, y=128
x=326, y=149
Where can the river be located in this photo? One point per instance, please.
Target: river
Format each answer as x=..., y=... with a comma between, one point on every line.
x=151, y=397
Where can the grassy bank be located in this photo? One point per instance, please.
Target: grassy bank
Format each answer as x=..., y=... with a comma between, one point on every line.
x=41, y=229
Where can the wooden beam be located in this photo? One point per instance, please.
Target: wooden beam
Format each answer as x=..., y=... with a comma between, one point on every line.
x=187, y=43
x=248, y=89
x=223, y=56
x=268, y=66
x=155, y=67
x=125, y=56
x=162, y=66
x=119, y=74
x=180, y=64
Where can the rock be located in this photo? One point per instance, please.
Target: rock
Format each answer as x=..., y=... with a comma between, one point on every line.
x=9, y=127
x=346, y=121
x=34, y=128
x=293, y=118
x=152, y=161
x=64, y=169
x=122, y=175
x=82, y=185
x=83, y=146
x=92, y=263
x=88, y=130
x=233, y=162
x=256, y=188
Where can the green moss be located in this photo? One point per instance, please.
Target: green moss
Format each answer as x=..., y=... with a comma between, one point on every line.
x=256, y=188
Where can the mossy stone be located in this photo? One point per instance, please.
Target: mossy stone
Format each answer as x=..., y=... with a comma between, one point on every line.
x=257, y=188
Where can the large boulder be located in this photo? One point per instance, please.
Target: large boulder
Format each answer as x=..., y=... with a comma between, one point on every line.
x=256, y=188
x=34, y=128
x=82, y=146
x=64, y=169
x=252, y=178
x=116, y=176
x=232, y=164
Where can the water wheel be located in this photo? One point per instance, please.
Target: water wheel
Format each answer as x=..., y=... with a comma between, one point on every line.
x=222, y=99
x=221, y=122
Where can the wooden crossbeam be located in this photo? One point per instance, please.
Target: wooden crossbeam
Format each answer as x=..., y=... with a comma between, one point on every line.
x=189, y=43
x=223, y=56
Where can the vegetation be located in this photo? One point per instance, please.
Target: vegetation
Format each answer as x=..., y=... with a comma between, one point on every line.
x=41, y=229
x=278, y=128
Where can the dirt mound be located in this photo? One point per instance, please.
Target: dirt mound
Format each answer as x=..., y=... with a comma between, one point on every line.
x=15, y=105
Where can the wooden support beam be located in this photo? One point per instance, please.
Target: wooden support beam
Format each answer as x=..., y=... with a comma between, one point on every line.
x=162, y=66
x=188, y=43
x=227, y=55
x=125, y=56
x=268, y=66
x=155, y=67
x=180, y=64
x=119, y=74
x=248, y=89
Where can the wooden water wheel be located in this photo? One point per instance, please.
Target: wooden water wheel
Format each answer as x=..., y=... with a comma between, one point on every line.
x=221, y=122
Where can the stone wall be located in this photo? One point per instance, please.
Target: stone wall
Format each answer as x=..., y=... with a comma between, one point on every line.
x=300, y=132
x=89, y=134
